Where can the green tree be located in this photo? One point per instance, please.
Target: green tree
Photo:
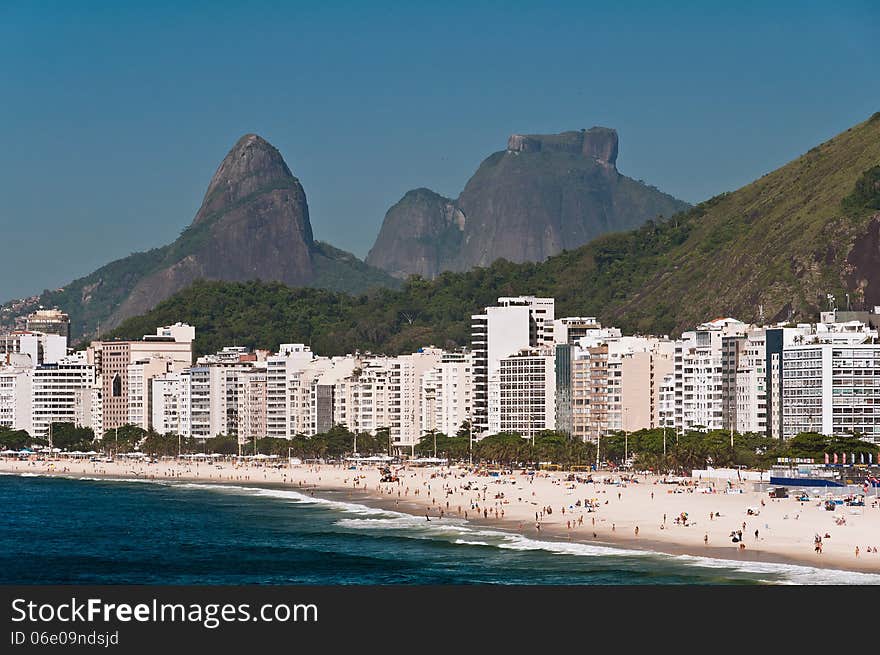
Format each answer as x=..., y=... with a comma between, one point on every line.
x=223, y=444
x=67, y=436
x=123, y=439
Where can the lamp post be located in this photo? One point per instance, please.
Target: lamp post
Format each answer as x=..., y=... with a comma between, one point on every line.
x=471, y=433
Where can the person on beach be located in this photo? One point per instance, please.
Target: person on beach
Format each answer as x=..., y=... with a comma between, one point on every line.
x=637, y=531
x=706, y=539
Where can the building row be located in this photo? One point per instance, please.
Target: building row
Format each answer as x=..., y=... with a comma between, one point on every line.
x=525, y=371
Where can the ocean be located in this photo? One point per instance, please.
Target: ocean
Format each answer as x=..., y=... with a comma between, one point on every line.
x=90, y=531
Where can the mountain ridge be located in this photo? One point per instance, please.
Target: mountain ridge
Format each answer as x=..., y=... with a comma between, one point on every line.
x=253, y=223
x=776, y=247
x=543, y=194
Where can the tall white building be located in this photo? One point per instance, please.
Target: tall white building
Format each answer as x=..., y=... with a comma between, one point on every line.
x=699, y=375
x=831, y=382
x=404, y=409
x=516, y=323
x=59, y=391
x=165, y=409
x=38, y=347
x=140, y=378
x=15, y=398
x=446, y=394
x=284, y=397
x=522, y=393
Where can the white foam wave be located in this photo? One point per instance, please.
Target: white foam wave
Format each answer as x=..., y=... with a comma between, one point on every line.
x=463, y=533
x=293, y=496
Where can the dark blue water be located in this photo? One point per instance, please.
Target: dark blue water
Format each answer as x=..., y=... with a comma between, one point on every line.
x=68, y=531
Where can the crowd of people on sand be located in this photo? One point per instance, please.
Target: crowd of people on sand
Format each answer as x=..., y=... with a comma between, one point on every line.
x=469, y=494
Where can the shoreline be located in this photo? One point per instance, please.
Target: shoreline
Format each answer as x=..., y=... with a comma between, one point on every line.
x=362, y=486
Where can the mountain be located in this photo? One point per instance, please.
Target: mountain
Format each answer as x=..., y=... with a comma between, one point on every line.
x=253, y=224
x=775, y=247
x=544, y=194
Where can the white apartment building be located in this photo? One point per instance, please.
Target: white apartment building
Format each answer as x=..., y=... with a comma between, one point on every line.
x=404, y=408
x=252, y=406
x=112, y=358
x=446, y=394
x=166, y=395
x=59, y=391
x=15, y=398
x=699, y=375
x=617, y=382
x=831, y=382
x=745, y=385
x=202, y=401
x=140, y=377
x=667, y=401
x=38, y=347
x=516, y=323
x=522, y=393
x=283, y=389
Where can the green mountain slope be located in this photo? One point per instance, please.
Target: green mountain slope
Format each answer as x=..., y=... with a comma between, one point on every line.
x=779, y=244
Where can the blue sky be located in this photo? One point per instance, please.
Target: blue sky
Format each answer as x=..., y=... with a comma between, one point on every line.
x=115, y=115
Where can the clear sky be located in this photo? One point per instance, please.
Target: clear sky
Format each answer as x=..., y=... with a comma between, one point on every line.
x=115, y=115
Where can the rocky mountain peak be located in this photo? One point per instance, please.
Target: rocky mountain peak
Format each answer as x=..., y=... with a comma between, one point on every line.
x=597, y=143
x=252, y=165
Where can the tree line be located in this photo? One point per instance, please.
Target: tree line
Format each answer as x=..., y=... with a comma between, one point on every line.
x=649, y=449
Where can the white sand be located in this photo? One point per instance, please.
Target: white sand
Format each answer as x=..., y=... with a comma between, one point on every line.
x=786, y=527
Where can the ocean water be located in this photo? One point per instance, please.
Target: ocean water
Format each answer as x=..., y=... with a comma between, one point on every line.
x=88, y=531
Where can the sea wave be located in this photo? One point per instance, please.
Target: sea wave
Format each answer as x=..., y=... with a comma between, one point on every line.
x=463, y=533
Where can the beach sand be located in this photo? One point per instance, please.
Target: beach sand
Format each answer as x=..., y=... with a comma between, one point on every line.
x=785, y=527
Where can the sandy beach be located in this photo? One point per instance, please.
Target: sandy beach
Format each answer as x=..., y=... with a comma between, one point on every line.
x=639, y=515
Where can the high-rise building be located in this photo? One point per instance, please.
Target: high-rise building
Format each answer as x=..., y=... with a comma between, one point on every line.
x=61, y=393
x=516, y=323
x=50, y=321
x=446, y=394
x=15, y=398
x=37, y=347
x=112, y=359
x=699, y=374
x=617, y=383
x=165, y=408
x=522, y=393
x=831, y=382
